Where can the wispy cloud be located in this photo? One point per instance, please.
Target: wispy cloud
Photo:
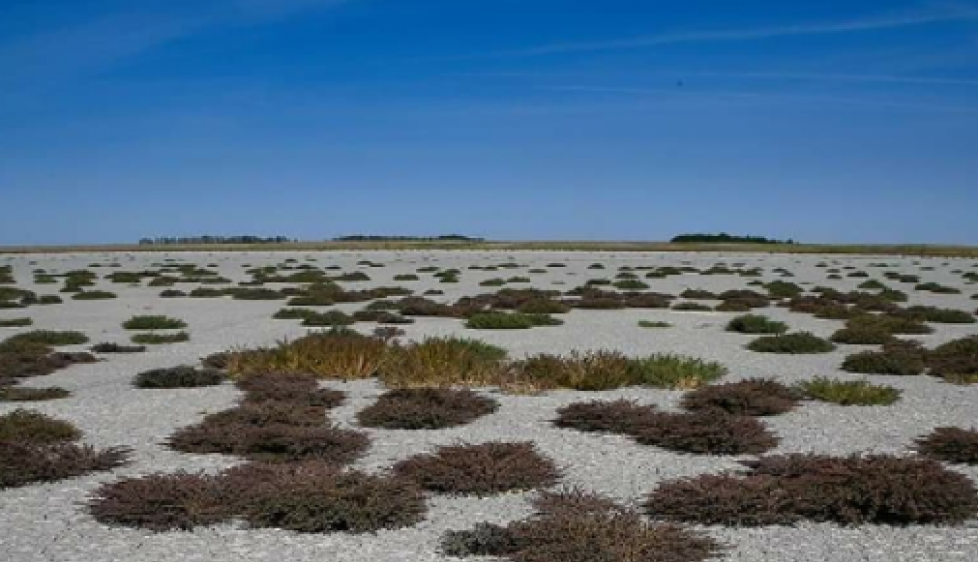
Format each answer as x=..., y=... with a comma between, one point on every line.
x=57, y=55
x=952, y=14
x=834, y=77
x=715, y=95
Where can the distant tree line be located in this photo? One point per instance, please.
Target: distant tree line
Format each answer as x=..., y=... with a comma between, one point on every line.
x=724, y=238
x=445, y=238
x=172, y=240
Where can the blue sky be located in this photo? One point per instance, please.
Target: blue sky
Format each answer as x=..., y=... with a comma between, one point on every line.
x=823, y=121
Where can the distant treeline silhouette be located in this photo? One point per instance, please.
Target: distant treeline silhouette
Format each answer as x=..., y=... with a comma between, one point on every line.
x=172, y=240
x=445, y=238
x=724, y=238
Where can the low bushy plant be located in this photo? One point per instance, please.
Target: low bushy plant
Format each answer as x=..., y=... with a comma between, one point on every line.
x=444, y=362
x=653, y=324
x=117, y=348
x=27, y=426
x=331, y=355
x=509, y=321
x=23, y=463
x=153, y=322
x=956, y=360
x=898, y=357
x=751, y=397
x=489, y=468
x=150, y=338
x=93, y=296
x=793, y=343
x=784, y=490
x=950, y=444
x=756, y=324
x=178, y=377
x=665, y=370
x=426, y=408
x=44, y=337
x=849, y=393
x=15, y=322
x=25, y=394
x=162, y=502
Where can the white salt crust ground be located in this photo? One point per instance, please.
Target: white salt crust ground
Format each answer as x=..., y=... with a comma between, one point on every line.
x=48, y=522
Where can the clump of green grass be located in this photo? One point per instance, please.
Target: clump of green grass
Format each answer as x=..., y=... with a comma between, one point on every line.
x=93, y=296
x=153, y=322
x=27, y=426
x=24, y=394
x=756, y=324
x=677, y=371
x=45, y=337
x=510, y=321
x=444, y=362
x=794, y=343
x=15, y=322
x=149, y=338
x=336, y=354
x=849, y=393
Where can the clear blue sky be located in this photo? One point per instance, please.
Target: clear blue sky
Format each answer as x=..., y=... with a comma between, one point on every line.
x=824, y=121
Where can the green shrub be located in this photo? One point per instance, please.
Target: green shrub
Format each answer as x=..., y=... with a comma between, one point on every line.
x=937, y=288
x=849, y=393
x=333, y=354
x=153, y=323
x=691, y=307
x=45, y=337
x=26, y=426
x=938, y=315
x=23, y=394
x=785, y=490
x=93, y=296
x=897, y=357
x=677, y=371
x=489, y=468
x=955, y=361
x=509, y=321
x=15, y=322
x=756, y=324
x=653, y=324
x=117, y=348
x=443, y=362
x=328, y=318
x=590, y=371
x=793, y=343
x=150, y=338
x=426, y=408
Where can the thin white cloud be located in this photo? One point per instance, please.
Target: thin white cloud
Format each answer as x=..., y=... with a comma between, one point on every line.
x=714, y=95
x=955, y=14
x=833, y=77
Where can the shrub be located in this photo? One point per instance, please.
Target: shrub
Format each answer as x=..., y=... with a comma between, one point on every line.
x=150, y=338
x=849, y=393
x=296, y=389
x=783, y=490
x=697, y=294
x=444, y=362
x=591, y=371
x=653, y=324
x=956, y=360
x=677, y=371
x=161, y=502
x=898, y=357
x=752, y=397
x=542, y=306
x=793, y=343
x=275, y=442
x=178, y=377
x=315, y=497
x=783, y=289
x=117, y=348
x=24, y=463
x=756, y=324
x=630, y=285
x=334, y=354
x=425, y=408
x=26, y=426
x=21, y=394
x=489, y=468
x=153, y=323
x=172, y=293
x=937, y=288
x=15, y=322
x=578, y=527
x=509, y=321
x=328, y=318
x=862, y=335
x=938, y=315
x=710, y=431
x=951, y=444
x=691, y=307
x=93, y=296
x=45, y=337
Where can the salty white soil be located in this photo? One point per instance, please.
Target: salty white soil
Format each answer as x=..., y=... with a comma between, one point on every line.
x=48, y=522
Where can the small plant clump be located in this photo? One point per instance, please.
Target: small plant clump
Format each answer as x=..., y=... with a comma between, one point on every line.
x=793, y=343
x=150, y=338
x=489, y=468
x=336, y=354
x=787, y=489
x=653, y=324
x=709, y=432
x=178, y=377
x=955, y=361
x=117, y=348
x=575, y=526
x=510, y=321
x=898, y=357
x=93, y=296
x=24, y=394
x=756, y=324
x=849, y=393
x=44, y=337
x=677, y=372
x=752, y=397
x=443, y=362
x=950, y=444
x=153, y=323
x=15, y=322
x=426, y=408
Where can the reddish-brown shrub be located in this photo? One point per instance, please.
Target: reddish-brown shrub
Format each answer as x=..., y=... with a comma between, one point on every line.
x=161, y=502
x=752, y=397
x=425, y=408
x=24, y=463
x=480, y=469
x=951, y=444
x=28, y=426
x=782, y=490
x=298, y=389
x=274, y=442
